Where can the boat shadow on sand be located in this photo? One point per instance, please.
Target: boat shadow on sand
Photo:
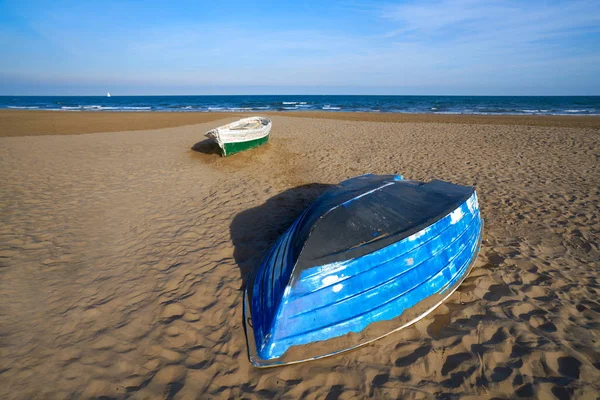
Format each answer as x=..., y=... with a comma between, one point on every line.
x=207, y=146
x=255, y=230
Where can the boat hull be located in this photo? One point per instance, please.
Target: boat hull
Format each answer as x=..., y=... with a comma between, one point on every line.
x=228, y=149
x=303, y=304
x=241, y=135
x=345, y=344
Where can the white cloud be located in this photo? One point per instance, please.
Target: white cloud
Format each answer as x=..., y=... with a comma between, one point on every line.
x=474, y=20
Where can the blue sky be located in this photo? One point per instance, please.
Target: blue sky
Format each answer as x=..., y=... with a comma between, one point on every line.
x=483, y=47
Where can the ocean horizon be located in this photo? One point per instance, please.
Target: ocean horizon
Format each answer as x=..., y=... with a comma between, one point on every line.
x=431, y=104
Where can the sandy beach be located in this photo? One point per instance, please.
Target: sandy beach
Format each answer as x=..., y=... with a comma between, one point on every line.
x=125, y=245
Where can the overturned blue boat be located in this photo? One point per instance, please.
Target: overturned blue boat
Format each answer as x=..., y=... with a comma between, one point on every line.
x=372, y=255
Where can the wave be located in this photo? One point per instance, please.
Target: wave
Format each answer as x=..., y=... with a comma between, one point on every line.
x=577, y=115
x=109, y=108
x=239, y=109
x=535, y=111
x=392, y=104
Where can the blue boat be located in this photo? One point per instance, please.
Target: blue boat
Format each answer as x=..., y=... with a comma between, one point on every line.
x=372, y=255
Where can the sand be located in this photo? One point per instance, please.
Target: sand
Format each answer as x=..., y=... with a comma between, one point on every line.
x=123, y=256
x=32, y=123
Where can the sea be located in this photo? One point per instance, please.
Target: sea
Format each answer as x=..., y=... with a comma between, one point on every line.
x=488, y=105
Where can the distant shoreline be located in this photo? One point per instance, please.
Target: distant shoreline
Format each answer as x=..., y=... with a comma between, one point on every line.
x=42, y=122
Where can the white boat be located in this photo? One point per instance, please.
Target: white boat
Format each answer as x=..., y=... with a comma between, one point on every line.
x=107, y=94
x=241, y=135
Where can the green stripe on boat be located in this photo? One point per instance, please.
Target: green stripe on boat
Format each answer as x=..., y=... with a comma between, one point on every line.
x=232, y=148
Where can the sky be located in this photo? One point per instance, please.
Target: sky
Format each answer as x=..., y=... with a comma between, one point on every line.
x=420, y=47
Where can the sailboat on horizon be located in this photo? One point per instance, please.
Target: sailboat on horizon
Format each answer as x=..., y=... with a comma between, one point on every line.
x=107, y=94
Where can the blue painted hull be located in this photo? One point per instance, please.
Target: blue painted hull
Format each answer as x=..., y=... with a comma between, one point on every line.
x=326, y=287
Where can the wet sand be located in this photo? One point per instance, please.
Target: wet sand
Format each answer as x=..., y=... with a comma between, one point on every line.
x=123, y=255
x=31, y=123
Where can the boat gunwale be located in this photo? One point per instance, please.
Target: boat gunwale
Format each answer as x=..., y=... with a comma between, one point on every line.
x=228, y=127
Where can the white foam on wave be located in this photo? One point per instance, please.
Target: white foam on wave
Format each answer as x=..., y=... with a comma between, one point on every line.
x=328, y=107
x=290, y=108
x=534, y=111
x=578, y=115
x=101, y=108
x=289, y=102
x=239, y=109
x=575, y=111
x=23, y=107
